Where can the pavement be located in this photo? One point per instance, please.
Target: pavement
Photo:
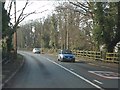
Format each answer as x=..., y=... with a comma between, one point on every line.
x=10, y=68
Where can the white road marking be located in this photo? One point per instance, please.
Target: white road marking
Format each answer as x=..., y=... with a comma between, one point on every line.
x=7, y=61
x=106, y=74
x=98, y=81
x=71, y=69
x=76, y=74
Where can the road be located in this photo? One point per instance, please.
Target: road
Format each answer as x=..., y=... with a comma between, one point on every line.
x=44, y=71
x=0, y=67
x=0, y=55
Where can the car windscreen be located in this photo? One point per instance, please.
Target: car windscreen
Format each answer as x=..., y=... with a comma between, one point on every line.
x=37, y=48
x=66, y=52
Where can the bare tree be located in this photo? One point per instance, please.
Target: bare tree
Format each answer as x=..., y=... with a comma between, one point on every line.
x=20, y=18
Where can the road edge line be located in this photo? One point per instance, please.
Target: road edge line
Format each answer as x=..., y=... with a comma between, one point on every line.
x=76, y=74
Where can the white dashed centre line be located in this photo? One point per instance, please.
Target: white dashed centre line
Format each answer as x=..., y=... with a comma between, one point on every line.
x=98, y=81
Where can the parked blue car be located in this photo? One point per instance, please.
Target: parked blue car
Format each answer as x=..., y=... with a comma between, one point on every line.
x=66, y=55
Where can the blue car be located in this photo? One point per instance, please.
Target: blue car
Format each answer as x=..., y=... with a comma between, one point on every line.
x=66, y=55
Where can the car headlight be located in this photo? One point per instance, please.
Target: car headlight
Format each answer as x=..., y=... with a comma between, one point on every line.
x=62, y=56
x=73, y=56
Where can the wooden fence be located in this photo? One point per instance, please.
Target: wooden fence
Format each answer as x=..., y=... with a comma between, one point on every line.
x=93, y=55
x=96, y=55
x=112, y=57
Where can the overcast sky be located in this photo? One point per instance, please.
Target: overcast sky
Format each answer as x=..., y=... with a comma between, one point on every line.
x=39, y=5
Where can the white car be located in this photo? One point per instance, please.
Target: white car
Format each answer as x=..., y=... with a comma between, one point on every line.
x=36, y=50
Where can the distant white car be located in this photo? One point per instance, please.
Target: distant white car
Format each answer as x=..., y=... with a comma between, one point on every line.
x=36, y=50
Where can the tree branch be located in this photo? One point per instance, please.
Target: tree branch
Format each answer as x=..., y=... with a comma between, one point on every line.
x=83, y=7
x=22, y=11
x=10, y=7
x=26, y=15
x=78, y=5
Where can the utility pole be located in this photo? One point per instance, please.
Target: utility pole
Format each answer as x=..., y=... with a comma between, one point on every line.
x=67, y=39
x=15, y=31
x=67, y=34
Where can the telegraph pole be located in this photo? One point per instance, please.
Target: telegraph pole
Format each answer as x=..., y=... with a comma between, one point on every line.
x=15, y=31
x=67, y=34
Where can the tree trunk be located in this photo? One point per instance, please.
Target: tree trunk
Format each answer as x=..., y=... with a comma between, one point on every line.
x=110, y=48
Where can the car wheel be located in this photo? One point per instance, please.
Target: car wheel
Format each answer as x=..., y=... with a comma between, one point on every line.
x=60, y=59
x=73, y=61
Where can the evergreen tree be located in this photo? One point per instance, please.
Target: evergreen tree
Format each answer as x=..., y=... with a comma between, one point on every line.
x=106, y=28
x=6, y=31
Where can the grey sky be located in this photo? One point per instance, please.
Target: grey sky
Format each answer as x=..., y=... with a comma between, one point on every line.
x=44, y=6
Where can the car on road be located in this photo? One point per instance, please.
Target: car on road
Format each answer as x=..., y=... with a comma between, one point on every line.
x=66, y=55
x=36, y=50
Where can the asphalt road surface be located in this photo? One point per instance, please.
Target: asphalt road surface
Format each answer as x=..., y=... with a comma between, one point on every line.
x=0, y=66
x=44, y=71
x=0, y=55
